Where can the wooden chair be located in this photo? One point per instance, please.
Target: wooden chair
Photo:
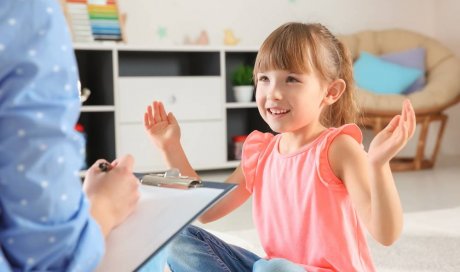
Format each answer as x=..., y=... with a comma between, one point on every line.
x=441, y=91
x=377, y=122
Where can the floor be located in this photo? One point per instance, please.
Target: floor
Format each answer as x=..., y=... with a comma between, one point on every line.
x=431, y=203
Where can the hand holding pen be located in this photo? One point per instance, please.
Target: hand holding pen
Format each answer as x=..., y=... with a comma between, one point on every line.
x=112, y=190
x=105, y=166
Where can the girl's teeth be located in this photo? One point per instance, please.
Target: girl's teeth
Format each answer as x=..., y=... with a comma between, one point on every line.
x=273, y=111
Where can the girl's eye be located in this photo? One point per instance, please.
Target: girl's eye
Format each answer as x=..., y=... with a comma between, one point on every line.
x=291, y=79
x=262, y=78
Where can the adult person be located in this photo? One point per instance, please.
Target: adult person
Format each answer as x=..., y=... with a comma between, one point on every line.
x=47, y=222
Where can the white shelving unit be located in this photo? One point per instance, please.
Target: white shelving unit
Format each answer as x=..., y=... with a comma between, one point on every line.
x=194, y=82
x=97, y=108
x=239, y=105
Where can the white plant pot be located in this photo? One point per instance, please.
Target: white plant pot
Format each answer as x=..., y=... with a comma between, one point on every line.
x=243, y=93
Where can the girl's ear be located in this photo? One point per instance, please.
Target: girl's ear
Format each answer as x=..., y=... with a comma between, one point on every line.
x=334, y=91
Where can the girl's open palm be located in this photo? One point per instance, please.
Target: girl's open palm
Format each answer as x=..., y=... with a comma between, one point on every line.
x=393, y=137
x=162, y=128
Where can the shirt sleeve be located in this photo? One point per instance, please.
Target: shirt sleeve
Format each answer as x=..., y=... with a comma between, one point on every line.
x=45, y=223
x=254, y=145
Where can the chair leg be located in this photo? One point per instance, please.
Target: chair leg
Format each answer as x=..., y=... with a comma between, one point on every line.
x=443, y=118
x=377, y=127
x=377, y=123
x=421, y=144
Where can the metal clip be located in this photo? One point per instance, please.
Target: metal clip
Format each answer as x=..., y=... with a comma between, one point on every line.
x=171, y=179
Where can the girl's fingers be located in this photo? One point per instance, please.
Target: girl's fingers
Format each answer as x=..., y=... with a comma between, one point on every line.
x=403, y=134
x=163, y=114
x=146, y=120
x=156, y=112
x=150, y=115
x=393, y=123
x=403, y=120
x=404, y=111
x=412, y=123
x=172, y=119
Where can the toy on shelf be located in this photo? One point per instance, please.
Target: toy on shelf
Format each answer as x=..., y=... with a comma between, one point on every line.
x=203, y=39
x=229, y=37
x=94, y=20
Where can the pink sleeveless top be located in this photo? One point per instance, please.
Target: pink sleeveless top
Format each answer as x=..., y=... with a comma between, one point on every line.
x=302, y=211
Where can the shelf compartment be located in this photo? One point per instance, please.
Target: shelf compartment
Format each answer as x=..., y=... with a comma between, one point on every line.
x=232, y=61
x=96, y=73
x=100, y=135
x=165, y=63
x=242, y=121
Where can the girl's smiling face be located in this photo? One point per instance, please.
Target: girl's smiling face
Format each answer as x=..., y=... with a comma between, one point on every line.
x=290, y=102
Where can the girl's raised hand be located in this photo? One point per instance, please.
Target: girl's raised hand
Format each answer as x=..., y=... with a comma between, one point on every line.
x=162, y=128
x=393, y=137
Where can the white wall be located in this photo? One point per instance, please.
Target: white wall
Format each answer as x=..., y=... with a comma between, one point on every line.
x=447, y=18
x=253, y=20
x=447, y=27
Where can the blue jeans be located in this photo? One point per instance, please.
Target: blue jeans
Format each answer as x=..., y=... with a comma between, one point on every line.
x=155, y=264
x=195, y=249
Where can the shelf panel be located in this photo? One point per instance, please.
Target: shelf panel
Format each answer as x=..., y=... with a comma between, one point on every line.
x=95, y=46
x=239, y=105
x=233, y=163
x=82, y=173
x=177, y=94
x=97, y=108
x=226, y=165
x=178, y=48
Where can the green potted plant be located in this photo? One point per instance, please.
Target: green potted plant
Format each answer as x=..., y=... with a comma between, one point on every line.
x=243, y=88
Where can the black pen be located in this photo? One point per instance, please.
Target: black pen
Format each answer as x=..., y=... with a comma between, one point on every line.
x=105, y=166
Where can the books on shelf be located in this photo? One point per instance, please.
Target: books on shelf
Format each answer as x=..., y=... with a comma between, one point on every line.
x=94, y=20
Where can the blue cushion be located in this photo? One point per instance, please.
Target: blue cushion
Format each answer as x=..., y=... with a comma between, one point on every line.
x=412, y=58
x=375, y=74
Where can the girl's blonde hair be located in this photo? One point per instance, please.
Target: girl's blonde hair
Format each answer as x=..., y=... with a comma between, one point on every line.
x=300, y=48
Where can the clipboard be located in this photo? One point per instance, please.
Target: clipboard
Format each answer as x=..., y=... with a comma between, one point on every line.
x=161, y=214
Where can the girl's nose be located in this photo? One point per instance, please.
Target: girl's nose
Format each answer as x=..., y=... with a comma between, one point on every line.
x=274, y=93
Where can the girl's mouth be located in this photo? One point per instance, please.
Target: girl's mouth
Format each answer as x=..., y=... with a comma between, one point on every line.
x=277, y=112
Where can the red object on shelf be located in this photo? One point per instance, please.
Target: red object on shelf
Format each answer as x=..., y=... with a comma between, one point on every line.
x=79, y=127
x=238, y=141
x=239, y=138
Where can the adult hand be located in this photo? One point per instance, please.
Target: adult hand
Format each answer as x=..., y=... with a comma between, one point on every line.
x=393, y=137
x=163, y=128
x=114, y=194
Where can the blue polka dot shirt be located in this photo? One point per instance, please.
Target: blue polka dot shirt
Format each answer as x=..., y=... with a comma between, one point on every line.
x=45, y=223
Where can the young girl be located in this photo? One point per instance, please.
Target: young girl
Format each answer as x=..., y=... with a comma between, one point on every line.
x=315, y=190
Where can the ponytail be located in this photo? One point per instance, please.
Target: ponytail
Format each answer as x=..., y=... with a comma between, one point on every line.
x=345, y=109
